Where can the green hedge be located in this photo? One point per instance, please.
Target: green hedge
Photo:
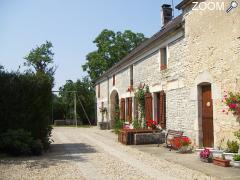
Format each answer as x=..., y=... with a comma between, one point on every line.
x=25, y=103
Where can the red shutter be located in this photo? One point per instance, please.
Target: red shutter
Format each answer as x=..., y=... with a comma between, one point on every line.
x=114, y=80
x=148, y=106
x=162, y=110
x=122, y=109
x=129, y=116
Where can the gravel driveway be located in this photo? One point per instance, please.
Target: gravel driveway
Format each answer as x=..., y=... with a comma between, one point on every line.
x=88, y=153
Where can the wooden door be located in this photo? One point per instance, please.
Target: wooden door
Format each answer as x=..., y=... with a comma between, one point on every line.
x=148, y=106
x=162, y=109
x=129, y=114
x=122, y=112
x=207, y=116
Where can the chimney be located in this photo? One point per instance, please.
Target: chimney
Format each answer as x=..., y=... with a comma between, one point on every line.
x=166, y=14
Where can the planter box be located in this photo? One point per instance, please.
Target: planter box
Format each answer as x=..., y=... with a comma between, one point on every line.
x=103, y=125
x=149, y=138
x=126, y=136
x=221, y=162
x=235, y=164
x=229, y=156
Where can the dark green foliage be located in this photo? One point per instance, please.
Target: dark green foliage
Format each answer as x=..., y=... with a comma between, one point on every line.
x=25, y=103
x=112, y=47
x=19, y=142
x=36, y=147
x=40, y=58
x=63, y=106
x=118, y=125
x=232, y=146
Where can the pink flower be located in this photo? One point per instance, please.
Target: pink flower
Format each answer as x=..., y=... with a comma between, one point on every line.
x=232, y=106
x=223, y=110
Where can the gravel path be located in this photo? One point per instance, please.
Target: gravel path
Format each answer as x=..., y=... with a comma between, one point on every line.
x=88, y=153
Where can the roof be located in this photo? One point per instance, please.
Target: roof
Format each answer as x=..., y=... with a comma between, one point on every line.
x=169, y=27
x=183, y=4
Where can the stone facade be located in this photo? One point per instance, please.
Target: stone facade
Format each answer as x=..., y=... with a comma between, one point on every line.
x=205, y=50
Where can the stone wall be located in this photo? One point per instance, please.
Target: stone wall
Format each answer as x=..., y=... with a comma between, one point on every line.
x=213, y=55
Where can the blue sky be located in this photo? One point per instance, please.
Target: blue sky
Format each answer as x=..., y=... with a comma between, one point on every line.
x=71, y=25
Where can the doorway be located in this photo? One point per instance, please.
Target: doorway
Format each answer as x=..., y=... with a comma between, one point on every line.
x=206, y=115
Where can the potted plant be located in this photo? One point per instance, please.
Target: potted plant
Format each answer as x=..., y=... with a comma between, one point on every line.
x=221, y=161
x=205, y=155
x=232, y=149
x=236, y=160
x=185, y=144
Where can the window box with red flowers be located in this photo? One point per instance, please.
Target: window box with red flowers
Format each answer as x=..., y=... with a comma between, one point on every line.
x=163, y=66
x=151, y=124
x=130, y=89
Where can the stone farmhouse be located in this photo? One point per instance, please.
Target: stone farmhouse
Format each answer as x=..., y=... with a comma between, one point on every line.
x=188, y=65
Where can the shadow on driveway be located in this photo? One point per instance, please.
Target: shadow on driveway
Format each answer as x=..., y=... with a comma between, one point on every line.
x=58, y=153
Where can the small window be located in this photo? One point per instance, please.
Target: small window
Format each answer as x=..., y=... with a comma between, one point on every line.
x=114, y=80
x=131, y=75
x=98, y=90
x=163, y=60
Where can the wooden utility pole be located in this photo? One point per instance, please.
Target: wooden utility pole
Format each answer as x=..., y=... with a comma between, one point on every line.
x=75, y=108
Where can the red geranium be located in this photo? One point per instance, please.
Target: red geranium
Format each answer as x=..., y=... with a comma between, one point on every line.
x=151, y=123
x=178, y=142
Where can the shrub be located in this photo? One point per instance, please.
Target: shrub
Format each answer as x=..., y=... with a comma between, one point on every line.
x=36, y=147
x=26, y=104
x=236, y=157
x=118, y=125
x=16, y=142
x=232, y=146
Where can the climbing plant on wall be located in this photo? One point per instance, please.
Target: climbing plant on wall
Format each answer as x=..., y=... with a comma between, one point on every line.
x=140, y=97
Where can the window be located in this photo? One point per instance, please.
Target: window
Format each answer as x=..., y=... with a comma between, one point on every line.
x=98, y=90
x=114, y=80
x=131, y=75
x=163, y=60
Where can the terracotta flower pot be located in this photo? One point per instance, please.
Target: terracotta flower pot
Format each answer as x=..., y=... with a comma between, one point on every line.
x=221, y=162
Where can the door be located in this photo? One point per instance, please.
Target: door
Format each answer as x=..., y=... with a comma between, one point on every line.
x=148, y=106
x=207, y=116
x=129, y=114
x=122, y=112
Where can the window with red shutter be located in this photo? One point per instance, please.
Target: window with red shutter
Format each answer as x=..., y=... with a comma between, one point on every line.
x=148, y=106
x=163, y=60
x=122, y=112
x=114, y=80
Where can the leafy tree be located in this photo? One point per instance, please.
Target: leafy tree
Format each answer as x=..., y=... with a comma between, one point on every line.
x=111, y=47
x=41, y=58
x=64, y=103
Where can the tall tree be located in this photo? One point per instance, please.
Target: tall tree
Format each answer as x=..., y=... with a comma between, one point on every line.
x=111, y=47
x=41, y=59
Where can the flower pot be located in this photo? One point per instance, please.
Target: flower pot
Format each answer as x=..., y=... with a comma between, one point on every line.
x=221, y=162
x=206, y=160
x=235, y=164
x=216, y=153
x=229, y=156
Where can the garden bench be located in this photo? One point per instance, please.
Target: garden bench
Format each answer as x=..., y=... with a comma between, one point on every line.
x=170, y=135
